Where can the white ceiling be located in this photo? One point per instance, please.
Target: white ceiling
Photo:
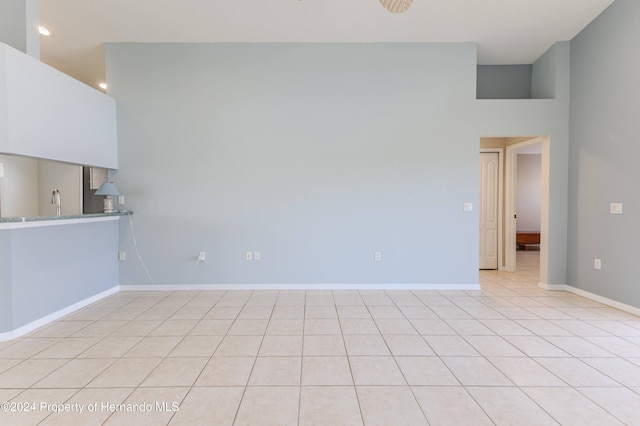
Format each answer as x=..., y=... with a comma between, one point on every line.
x=506, y=31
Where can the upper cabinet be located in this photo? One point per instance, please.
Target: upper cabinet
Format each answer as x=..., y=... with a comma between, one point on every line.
x=44, y=113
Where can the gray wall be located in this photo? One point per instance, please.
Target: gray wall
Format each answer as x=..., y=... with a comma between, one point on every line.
x=504, y=82
x=316, y=155
x=605, y=103
x=46, y=269
x=528, y=192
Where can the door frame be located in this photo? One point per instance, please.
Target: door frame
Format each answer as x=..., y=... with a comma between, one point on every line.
x=500, y=207
x=510, y=204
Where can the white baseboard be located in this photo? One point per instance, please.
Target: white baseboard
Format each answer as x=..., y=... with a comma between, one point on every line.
x=315, y=286
x=27, y=328
x=596, y=298
x=552, y=287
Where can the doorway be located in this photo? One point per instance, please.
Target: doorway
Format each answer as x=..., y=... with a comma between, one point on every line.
x=508, y=148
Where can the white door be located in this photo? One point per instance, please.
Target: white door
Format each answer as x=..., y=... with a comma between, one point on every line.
x=489, y=169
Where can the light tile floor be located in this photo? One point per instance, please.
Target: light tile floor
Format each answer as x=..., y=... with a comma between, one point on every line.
x=508, y=354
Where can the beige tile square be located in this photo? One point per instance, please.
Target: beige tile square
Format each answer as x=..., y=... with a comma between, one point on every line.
x=125, y=373
x=615, y=345
x=450, y=312
x=543, y=327
x=60, y=329
x=288, y=312
x=389, y=405
x=269, y=405
x=449, y=405
x=493, y=346
x=69, y=347
x=152, y=347
x=85, y=398
x=476, y=371
x=99, y=329
x=450, y=346
x=6, y=364
x=330, y=370
x=319, y=299
x=226, y=371
x=111, y=347
x=28, y=347
x=381, y=312
x=575, y=372
x=426, y=371
x=358, y=326
x=321, y=326
x=281, y=346
x=395, y=326
x=248, y=327
x=568, y=406
x=291, y=300
x=255, y=312
x=158, y=313
x=469, y=327
x=433, y=327
x=348, y=300
x=171, y=397
x=620, y=402
x=509, y=406
x=74, y=374
x=418, y=312
x=535, y=346
x=618, y=369
x=320, y=312
x=525, y=372
x=579, y=347
x=276, y=371
x=404, y=298
x=285, y=327
x=29, y=372
x=408, y=345
x=211, y=328
x=174, y=327
x=237, y=298
x=372, y=344
x=329, y=405
x=196, y=346
x=137, y=328
x=190, y=312
x=224, y=312
x=323, y=346
x=506, y=327
x=375, y=370
x=175, y=372
x=209, y=405
x=239, y=346
x=353, y=312
x=376, y=298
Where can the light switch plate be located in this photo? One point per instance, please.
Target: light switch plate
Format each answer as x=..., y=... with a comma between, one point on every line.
x=468, y=207
x=616, y=208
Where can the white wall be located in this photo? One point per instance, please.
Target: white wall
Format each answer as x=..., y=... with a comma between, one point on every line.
x=19, y=187
x=46, y=114
x=528, y=192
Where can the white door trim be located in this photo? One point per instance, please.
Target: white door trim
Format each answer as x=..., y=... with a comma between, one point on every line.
x=500, y=152
x=510, y=205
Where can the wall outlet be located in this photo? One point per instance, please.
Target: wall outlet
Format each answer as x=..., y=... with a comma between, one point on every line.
x=248, y=255
x=377, y=256
x=256, y=255
x=597, y=264
x=468, y=207
x=202, y=255
x=121, y=199
x=616, y=208
x=122, y=255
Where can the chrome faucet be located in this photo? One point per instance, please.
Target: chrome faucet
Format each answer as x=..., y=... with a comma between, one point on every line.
x=56, y=201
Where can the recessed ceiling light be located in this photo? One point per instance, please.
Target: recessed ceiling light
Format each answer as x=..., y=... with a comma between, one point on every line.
x=103, y=86
x=45, y=32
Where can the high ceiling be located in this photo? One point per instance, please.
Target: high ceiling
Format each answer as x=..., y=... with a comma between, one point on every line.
x=506, y=31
